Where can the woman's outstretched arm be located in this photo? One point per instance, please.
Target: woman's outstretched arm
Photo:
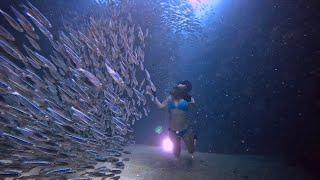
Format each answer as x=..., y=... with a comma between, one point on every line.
x=163, y=104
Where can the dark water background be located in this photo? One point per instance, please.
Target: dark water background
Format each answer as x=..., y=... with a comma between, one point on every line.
x=254, y=66
x=254, y=71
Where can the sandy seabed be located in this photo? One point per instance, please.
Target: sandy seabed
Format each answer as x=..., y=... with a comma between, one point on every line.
x=150, y=163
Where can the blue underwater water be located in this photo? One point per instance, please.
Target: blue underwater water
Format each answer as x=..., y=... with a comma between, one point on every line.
x=88, y=86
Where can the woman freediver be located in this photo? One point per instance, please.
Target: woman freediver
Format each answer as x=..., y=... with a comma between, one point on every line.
x=178, y=103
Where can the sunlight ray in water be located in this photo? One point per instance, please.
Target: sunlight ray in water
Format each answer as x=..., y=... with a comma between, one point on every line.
x=203, y=7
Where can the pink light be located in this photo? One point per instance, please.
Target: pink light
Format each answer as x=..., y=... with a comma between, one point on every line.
x=167, y=145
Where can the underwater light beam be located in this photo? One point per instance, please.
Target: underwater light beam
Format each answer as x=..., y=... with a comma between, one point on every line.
x=202, y=7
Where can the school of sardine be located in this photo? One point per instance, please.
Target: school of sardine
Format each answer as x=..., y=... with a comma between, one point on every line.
x=65, y=109
x=179, y=17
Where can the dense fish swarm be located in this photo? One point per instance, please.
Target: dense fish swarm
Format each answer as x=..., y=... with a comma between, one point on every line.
x=63, y=111
x=179, y=16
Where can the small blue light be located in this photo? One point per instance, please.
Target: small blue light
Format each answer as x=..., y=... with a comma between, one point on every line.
x=158, y=129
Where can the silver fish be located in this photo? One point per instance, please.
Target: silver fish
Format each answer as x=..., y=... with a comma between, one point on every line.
x=42, y=28
x=92, y=78
x=14, y=52
x=65, y=170
x=37, y=162
x=6, y=34
x=17, y=139
x=26, y=25
x=41, y=18
x=33, y=43
x=9, y=173
x=115, y=76
x=11, y=21
x=140, y=96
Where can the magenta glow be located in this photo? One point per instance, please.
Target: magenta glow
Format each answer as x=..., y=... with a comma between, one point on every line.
x=167, y=145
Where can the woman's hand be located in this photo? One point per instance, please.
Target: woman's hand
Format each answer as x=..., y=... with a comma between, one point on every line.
x=162, y=104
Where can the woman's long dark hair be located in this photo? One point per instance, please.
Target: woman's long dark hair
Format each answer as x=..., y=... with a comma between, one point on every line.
x=178, y=93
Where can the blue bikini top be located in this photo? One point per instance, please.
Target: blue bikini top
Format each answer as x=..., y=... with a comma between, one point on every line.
x=182, y=105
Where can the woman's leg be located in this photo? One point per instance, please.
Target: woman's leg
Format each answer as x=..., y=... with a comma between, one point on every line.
x=190, y=143
x=176, y=144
